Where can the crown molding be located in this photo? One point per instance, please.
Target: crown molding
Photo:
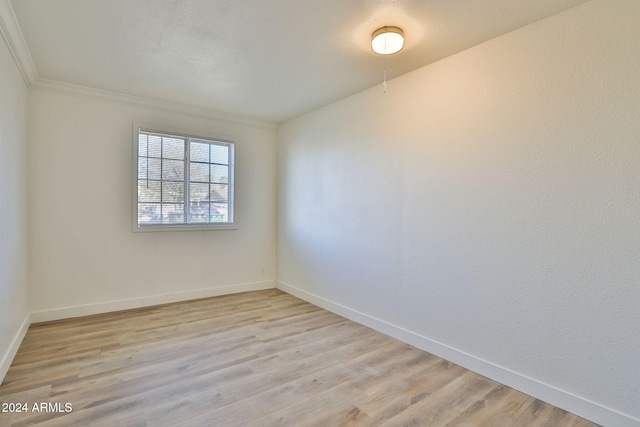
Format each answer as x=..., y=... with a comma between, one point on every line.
x=154, y=104
x=12, y=35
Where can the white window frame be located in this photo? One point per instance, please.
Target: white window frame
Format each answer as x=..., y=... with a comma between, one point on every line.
x=230, y=225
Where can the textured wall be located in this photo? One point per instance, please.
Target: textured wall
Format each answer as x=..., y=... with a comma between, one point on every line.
x=490, y=201
x=83, y=251
x=13, y=203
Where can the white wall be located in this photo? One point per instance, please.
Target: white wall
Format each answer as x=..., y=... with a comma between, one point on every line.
x=84, y=258
x=13, y=207
x=488, y=206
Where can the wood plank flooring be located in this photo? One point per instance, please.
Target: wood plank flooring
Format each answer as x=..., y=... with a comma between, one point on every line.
x=260, y=358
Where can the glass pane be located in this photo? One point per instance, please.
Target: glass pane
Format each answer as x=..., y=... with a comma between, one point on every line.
x=219, y=174
x=173, y=214
x=142, y=145
x=172, y=191
x=198, y=192
x=198, y=211
x=148, y=168
x=142, y=167
x=219, y=212
x=173, y=148
x=173, y=170
x=155, y=148
x=199, y=172
x=219, y=193
x=148, y=191
x=220, y=154
x=153, y=167
x=199, y=152
x=149, y=213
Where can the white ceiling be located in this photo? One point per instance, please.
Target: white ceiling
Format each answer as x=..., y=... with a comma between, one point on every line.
x=262, y=59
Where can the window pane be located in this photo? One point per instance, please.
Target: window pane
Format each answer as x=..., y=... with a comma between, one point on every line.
x=173, y=148
x=172, y=191
x=199, y=172
x=220, y=174
x=153, y=168
x=198, y=211
x=148, y=168
x=142, y=145
x=172, y=214
x=220, y=154
x=149, y=191
x=199, y=152
x=219, y=212
x=142, y=167
x=155, y=147
x=173, y=170
x=149, y=213
x=219, y=193
x=198, y=192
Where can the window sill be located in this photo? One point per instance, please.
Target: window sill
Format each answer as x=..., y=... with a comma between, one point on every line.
x=184, y=227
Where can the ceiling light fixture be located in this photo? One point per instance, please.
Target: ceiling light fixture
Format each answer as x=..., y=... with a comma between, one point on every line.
x=387, y=40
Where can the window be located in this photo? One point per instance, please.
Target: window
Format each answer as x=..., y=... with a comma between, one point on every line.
x=182, y=182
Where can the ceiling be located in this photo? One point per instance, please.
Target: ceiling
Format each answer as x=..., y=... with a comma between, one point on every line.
x=262, y=59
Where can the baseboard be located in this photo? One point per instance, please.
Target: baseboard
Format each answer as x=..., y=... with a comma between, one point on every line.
x=106, y=307
x=7, y=358
x=110, y=306
x=575, y=404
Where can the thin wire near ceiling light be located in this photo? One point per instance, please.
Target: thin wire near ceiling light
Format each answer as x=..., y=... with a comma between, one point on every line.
x=387, y=40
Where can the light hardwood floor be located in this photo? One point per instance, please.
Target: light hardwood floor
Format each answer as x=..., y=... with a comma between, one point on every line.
x=260, y=358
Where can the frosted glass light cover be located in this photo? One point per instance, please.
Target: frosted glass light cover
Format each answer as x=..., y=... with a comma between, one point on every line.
x=387, y=40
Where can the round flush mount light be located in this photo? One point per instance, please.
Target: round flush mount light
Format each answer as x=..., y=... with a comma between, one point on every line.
x=387, y=40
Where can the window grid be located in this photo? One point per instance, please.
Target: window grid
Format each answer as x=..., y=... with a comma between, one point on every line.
x=158, y=206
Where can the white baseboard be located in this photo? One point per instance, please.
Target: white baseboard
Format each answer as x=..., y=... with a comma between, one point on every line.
x=106, y=307
x=7, y=358
x=575, y=404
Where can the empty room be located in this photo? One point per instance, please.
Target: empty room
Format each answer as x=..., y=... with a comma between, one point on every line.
x=320, y=213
